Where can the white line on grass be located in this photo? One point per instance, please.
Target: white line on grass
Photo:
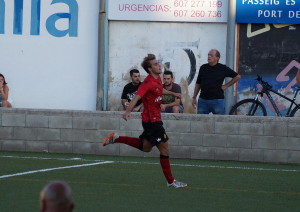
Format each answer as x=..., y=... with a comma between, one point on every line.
x=220, y=167
x=52, y=169
x=42, y=158
x=184, y=165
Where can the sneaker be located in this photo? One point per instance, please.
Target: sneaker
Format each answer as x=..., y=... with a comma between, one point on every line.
x=177, y=184
x=110, y=139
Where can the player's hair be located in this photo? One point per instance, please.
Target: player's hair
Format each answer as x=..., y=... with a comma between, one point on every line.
x=146, y=62
x=132, y=71
x=168, y=73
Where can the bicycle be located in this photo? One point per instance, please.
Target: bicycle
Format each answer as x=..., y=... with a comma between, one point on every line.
x=254, y=107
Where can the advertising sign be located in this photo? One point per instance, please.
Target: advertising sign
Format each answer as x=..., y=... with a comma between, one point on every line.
x=268, y=11
x=166, y=10
x=49, y=52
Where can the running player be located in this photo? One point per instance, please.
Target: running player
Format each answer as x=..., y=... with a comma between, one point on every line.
x=150, y=91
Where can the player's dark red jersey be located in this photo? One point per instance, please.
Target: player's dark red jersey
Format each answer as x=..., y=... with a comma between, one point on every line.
x=151, y=92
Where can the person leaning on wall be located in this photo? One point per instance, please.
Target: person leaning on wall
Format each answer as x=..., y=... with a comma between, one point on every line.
x=210, y=81
x=56, y=197
x=4, y=90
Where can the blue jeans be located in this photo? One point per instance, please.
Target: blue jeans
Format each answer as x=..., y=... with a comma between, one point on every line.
x=215, y=106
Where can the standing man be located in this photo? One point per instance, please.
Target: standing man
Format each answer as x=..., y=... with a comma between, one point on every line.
x=56, y=197
x=210, y=81
x=170, y=103
x=129, y=91
x=154, y=134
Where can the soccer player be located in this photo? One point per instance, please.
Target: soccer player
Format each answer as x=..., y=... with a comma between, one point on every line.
x=150, y=91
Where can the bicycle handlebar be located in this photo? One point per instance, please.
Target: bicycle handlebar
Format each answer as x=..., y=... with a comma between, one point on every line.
x=263, y=83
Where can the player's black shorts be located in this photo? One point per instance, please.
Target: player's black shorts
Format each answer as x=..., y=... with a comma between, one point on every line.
x=154, y=132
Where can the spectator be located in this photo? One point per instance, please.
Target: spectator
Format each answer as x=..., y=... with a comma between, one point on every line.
x=56, y=197
x=210, y=80
x=170, y=103
x=129, y=91
x=4, y=90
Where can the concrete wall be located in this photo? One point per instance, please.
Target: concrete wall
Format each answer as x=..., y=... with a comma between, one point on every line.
x=263, y=139
x=179, y=47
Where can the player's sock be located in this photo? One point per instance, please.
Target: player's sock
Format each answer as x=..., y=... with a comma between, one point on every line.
x=131, y=141
x=166, y=168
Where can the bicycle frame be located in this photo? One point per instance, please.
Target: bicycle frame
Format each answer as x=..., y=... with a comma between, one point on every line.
x=267, y=91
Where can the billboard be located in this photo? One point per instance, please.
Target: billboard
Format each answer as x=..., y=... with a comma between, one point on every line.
x=268, y=11
x=166, y=10
x=49, y=52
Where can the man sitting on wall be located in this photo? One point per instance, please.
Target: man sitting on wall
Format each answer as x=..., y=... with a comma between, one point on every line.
x=171, y=104
x=130, y=90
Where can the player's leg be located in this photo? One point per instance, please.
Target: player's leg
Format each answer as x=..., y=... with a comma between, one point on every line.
x=163, y=148
x=131, y=141
x=164, y=161
x=142, y=143
x=160, y=138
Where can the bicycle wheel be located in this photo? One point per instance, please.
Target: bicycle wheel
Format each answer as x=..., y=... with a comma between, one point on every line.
x=248, y=107
x=296, y=111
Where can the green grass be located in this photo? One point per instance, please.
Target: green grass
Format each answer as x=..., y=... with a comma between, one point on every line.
x=137, y=184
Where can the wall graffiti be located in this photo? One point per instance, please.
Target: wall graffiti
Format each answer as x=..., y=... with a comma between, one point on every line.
x=272, y=51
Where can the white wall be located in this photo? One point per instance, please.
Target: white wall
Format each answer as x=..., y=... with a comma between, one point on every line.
x=45, y=71
x=129, y=43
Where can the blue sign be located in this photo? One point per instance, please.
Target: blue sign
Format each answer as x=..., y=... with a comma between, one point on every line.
x=268, y=11
x=35, y=21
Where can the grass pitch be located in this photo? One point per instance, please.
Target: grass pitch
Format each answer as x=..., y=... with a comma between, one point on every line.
x=105, y=183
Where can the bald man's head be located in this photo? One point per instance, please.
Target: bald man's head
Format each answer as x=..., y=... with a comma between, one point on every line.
x=56, y=197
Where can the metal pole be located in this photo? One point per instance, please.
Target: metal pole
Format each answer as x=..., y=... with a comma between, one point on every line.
x=230, y=51
x=102, y=86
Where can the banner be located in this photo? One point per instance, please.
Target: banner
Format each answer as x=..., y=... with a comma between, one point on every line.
x=49, y=52
x=166, y=10
x=268, y=11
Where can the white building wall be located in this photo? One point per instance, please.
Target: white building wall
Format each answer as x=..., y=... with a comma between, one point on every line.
x=45, y=71
x=130, y=42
